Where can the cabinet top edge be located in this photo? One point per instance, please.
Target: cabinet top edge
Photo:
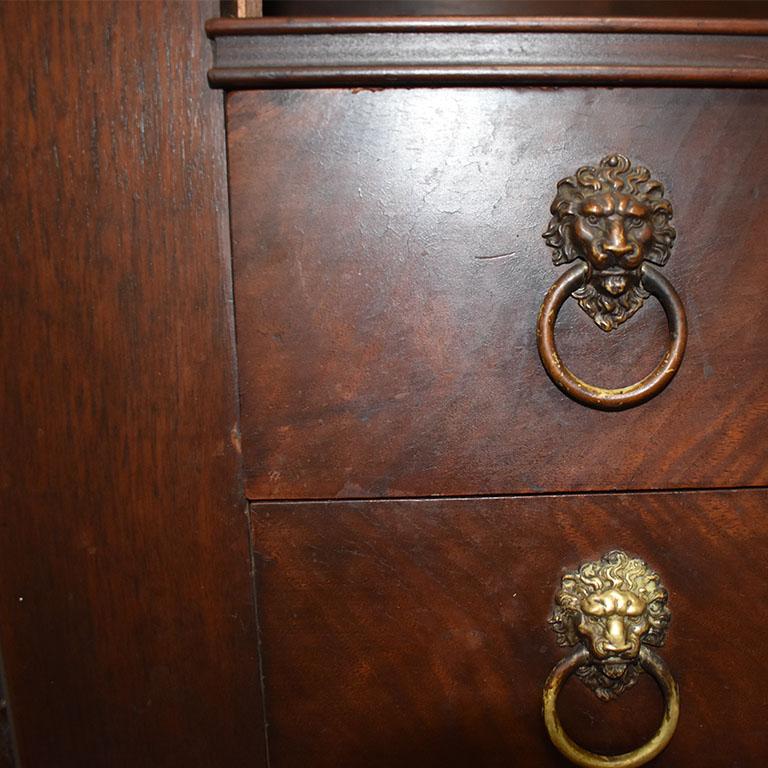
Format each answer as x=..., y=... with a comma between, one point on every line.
x=229, y=27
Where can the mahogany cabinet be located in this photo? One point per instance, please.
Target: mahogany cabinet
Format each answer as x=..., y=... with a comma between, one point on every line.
x=418, y=485
x=297, y=469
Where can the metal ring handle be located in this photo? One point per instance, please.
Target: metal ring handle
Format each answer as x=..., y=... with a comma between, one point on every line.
x=653, y=664
x=600, y=397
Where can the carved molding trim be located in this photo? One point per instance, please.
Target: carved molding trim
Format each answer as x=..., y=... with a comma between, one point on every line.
x=305, y=53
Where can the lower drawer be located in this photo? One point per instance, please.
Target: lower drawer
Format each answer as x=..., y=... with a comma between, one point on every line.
x=416, y=633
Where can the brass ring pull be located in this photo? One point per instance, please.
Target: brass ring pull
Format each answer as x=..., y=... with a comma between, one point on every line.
x=615, y=219
x=612, y=610
x=600, y=397
x=652, y=663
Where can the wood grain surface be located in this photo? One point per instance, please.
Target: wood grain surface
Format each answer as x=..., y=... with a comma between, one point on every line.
x=126, y=612
x=414, y=633
x=388, y=285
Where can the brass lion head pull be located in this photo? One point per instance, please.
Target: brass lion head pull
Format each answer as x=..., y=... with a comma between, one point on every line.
x=612, y=610
x=615, y=221
x=611, y=606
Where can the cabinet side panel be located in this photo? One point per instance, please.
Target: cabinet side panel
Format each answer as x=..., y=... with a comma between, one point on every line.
x=126, y=616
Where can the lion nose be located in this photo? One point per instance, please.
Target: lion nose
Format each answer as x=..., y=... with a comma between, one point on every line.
x=616, y=244
x=618, y=249
x=617, y=636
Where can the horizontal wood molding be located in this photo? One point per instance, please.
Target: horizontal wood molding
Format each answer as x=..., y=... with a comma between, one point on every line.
x=298, y=53
x=227, y=27
x=265, y=77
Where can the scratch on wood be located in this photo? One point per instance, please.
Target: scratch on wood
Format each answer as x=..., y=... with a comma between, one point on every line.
x=497, y=256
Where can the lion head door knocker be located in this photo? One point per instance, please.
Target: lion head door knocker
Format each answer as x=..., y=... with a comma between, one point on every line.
x=612, y=611
x=615, y=221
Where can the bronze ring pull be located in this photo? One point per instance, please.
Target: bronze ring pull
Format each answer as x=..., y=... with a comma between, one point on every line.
x=652, y=663
x=615, y=219
x=600, y=397
x=612, y=610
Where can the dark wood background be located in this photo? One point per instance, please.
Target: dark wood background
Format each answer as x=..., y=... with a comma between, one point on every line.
x=126, y=612
x=704, y=8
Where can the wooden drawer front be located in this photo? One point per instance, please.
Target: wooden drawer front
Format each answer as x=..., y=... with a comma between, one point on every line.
x=389, y=267
x=415, y=633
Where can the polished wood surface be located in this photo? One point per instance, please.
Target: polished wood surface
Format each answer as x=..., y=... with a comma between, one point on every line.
x=415, y=633
x=387, y=291
x=314, y=52
x=126, y=611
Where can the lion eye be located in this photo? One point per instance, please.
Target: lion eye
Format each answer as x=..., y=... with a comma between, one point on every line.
x=635, y=221
x=593, y=219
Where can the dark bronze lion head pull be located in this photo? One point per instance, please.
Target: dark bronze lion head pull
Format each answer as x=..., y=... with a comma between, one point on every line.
x=614, y=217
x=614, y=220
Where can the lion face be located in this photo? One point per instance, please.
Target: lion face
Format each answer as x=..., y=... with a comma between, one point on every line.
x=613, y=623
x=613, y=217
x=611, y=606
x=613, y=231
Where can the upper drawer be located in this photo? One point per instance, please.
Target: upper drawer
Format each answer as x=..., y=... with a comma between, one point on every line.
x=389, y=266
